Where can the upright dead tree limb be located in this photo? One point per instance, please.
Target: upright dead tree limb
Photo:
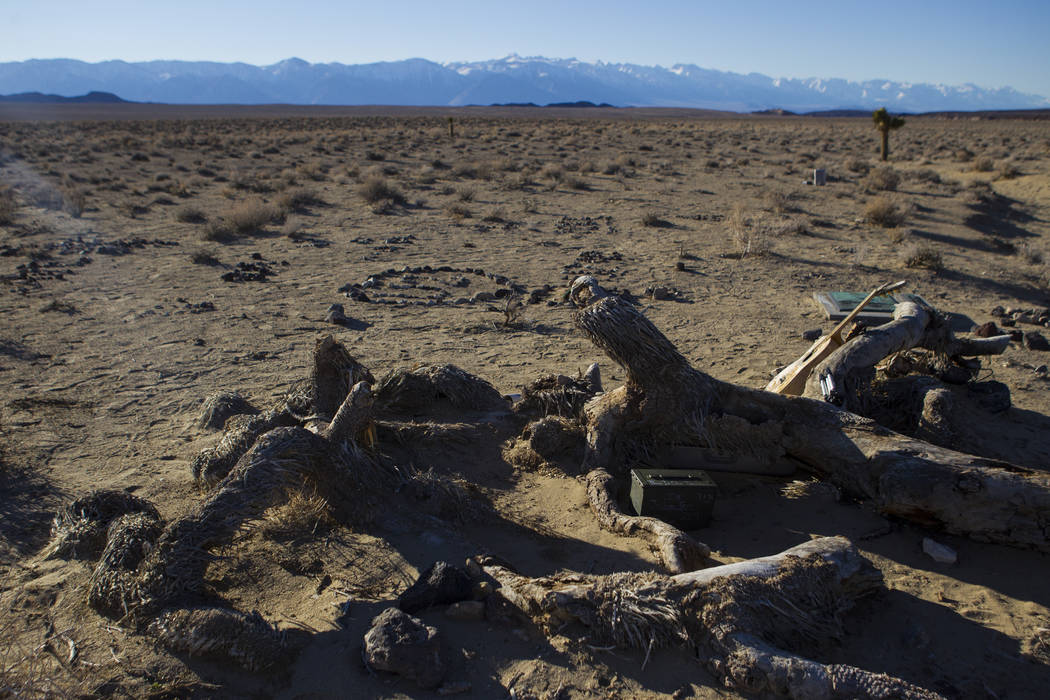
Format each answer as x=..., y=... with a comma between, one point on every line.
x=752, y=622
x=678, y=551
x=665, y=402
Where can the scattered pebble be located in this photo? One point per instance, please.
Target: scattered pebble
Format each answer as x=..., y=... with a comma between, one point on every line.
x=987, y=330
x=1034, y=340
x=942, y=554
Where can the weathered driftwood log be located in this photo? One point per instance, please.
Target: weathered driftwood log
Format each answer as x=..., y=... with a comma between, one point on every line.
x=851, y=367
x=318, y=397
x=678, y=551
x=154, y=574
x=753, y=622
x=665, y=402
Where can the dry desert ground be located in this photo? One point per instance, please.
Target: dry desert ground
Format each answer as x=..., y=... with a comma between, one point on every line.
x=150, y=258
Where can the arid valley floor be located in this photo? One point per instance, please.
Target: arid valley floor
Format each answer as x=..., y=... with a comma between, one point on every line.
x=150, y=259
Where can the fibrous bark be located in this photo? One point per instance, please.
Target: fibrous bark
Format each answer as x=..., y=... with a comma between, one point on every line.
x=665, y=402
x=753, y=623
x=152, y=574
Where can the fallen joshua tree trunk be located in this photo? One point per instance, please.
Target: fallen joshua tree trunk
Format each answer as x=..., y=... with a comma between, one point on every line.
x=752, y=622
x=666, y=403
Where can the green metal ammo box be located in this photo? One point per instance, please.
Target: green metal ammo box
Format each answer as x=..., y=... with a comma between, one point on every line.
x=682, y=497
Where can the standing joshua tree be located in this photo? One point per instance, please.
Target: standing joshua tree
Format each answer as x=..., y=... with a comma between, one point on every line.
x=885, y=122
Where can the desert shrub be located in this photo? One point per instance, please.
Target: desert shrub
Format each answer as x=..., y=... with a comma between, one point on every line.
x=858, y=166
x=457, y=211
x=984, y=164
x=218, y=230
x=190, y=214
x=925, y=175
x=374, y=156
x=496, y=216
x=924, y=256
x=1032, y=256
x=376, y=189
x=779, y=202
x=749, y=236
x=297, y=200
x=880, y=211
x=518, y=181
x=553, y=172
x=797, y=226
x=251, y=215
x=427, y=176
x=8, y=205
x=465, y=170
x=884, y=179
x=574, y=182
x=978, y=194
x=1007, y=171
x=651, y=218
x=201, y=256
x=466, y=194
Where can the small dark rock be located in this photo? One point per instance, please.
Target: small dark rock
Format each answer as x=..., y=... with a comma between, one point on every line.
x=402, y=644
x=986, y=330
x=660, y=293
x=811, y=334
x=336, y=315
x=1034, y=340
x=441, y=584
x=1016, y=336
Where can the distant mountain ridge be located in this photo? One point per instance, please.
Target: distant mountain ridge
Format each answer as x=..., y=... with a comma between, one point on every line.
x=41, y=98
x=511, y=79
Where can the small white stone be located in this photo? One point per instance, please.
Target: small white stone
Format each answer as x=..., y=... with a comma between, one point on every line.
x=940, y=553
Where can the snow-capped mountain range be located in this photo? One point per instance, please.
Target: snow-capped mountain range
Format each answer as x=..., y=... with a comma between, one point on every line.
x=512, y=79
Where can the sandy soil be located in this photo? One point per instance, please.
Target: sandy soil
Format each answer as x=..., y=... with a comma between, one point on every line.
x=117, y=322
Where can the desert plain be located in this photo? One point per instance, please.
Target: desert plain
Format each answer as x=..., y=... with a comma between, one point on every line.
x=152, y=256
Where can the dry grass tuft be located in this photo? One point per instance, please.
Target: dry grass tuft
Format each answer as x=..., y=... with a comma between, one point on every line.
x=880, y=211
x=749, y=235
x=780, y=202
x=301, y=515
x=1007, y=170
x=457, y=211
x=883, y=179
x=383, y=196
x=923, y=256
x=984, y=164
x=190, y=214
x=651, y=218
x=298, y=200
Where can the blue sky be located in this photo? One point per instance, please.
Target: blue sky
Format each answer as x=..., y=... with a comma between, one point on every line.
x=991, y=44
